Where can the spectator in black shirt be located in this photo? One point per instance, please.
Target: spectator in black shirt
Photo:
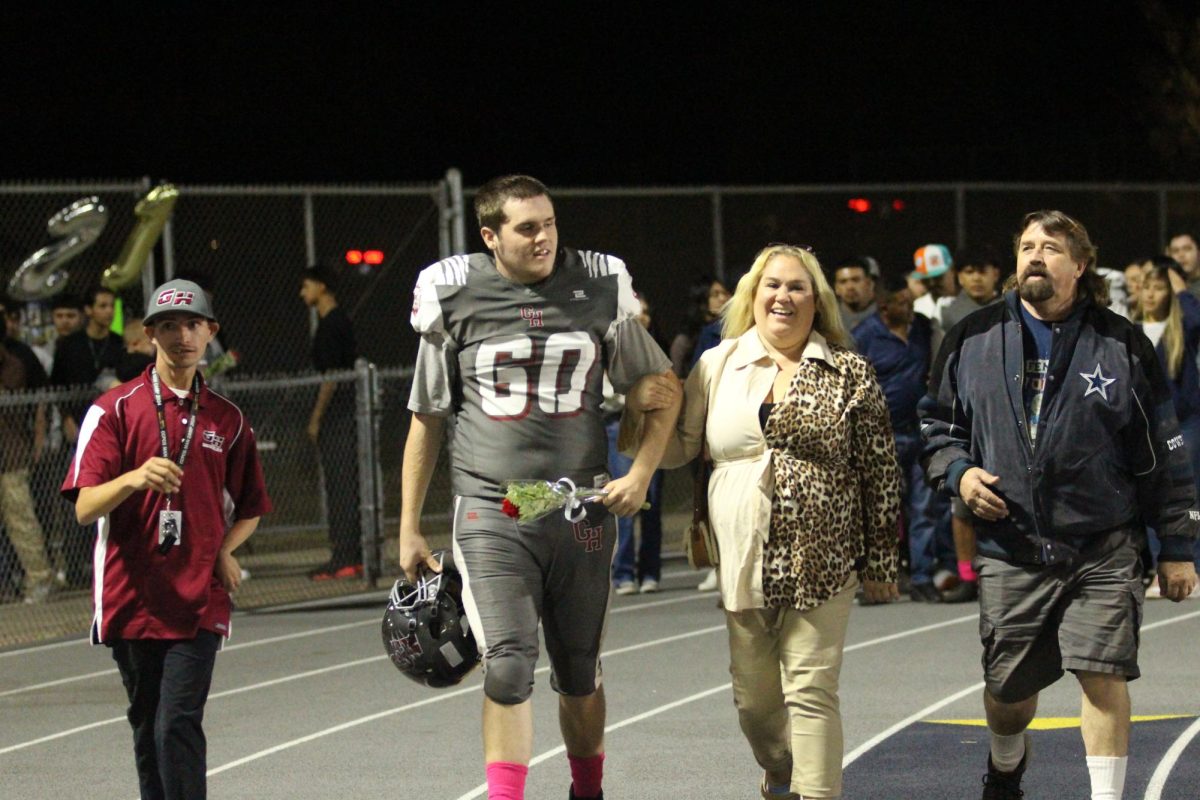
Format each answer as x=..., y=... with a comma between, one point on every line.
x=22, y=432
x=332, y=425
x=80, y=358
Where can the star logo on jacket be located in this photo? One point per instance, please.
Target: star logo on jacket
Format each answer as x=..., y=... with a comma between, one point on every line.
x=212, y=441
x=1096, y=382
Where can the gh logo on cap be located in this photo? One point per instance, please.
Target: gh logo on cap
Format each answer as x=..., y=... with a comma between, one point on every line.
x=174, y=297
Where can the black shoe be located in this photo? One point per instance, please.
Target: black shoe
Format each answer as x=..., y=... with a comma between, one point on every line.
x=572, y=796
x=999, y=785
x=965, y=592
x=925, y=593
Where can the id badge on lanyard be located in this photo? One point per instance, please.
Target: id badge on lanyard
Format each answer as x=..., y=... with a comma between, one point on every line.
x=170, y=521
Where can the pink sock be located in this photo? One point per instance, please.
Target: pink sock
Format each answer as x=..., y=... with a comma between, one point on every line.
x=506, y=780
x=586, y=774
x=966, y=572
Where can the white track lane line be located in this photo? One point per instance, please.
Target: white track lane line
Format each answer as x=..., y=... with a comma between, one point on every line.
x=481, y=789
x=241, y=646
x=214, y=696
x=447, y=696
x=331, y=668
x=478, y=791
x=1158, y=781
x=853, y=755
x=37, y=648
x=904, y=723
x=363, y=720
x=285, y=637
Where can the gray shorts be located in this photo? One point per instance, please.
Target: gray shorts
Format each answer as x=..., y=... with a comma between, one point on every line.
x=550, y=570
x=1038, y=621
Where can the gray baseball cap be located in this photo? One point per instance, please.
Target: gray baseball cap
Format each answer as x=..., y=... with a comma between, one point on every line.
x=177, y=296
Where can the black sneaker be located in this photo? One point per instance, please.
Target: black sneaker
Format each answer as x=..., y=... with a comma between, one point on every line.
x=999, y=785
x=965, y=592
x=572, y=796
x=925, y=593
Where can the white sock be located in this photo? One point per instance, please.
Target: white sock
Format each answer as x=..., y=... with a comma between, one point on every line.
x=1007, y=751
x=1108, y=776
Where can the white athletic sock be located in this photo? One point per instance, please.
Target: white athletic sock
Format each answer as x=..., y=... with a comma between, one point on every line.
x=1108, y=776
x=1007, y=751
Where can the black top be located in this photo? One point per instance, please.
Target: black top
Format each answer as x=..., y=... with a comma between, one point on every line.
x=20, y=370
x=131, y=365
x=764, y=413
x=334, y=349
x=79, y=359
x=35, y=375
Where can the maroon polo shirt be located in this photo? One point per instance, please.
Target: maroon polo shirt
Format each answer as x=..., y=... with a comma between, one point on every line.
x=140, y=593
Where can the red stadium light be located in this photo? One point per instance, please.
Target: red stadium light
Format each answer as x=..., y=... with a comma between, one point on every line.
x=372, y=257
x=859, y=205
x=354, y=256
x=899, y=205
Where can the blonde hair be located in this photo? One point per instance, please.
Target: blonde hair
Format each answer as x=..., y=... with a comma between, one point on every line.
x=737, y=316
x=1172, y=338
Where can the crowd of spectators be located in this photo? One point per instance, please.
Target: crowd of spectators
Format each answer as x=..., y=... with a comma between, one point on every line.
x=896, y=318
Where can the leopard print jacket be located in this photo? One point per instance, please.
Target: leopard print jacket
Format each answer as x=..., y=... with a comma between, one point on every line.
x=837, y=484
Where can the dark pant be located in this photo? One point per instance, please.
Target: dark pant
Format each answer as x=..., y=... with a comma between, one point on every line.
x=930, y=539
x=646, y=562
x=167, y=684
x=338, y=443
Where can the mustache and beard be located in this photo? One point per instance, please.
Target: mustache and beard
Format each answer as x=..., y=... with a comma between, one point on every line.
x=1033, y=291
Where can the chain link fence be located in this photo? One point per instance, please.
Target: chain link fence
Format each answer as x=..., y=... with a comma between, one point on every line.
x=253, y=242
x=321, y=501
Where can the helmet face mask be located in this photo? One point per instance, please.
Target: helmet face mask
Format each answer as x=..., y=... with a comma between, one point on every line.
x=425, y=629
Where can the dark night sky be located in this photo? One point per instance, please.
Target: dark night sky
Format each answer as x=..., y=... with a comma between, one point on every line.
x=609, y=95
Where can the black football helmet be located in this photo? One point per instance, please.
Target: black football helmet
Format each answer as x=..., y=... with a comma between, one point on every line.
x=425, y=629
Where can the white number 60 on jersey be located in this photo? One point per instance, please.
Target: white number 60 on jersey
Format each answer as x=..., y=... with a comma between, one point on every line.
x=511, y=372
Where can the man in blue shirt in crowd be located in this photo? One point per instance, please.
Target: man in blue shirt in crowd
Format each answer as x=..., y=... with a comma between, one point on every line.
x=898, y=343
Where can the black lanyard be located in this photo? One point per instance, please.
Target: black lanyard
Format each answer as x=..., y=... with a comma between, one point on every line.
x=162, y=419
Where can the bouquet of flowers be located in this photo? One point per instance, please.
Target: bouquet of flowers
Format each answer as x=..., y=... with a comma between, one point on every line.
x=527, y=500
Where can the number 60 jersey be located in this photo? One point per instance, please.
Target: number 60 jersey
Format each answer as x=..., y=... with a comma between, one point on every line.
x=519, y=367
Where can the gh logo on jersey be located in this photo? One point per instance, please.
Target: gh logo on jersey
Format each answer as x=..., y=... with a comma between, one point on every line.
x=534, y=315
x=174, y=297
x=589, y=537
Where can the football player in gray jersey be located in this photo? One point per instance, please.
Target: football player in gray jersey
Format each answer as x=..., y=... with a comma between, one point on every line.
x=514, y=346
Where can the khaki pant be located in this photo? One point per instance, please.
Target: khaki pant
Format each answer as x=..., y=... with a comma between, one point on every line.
x=785, y=666
x=24, y=530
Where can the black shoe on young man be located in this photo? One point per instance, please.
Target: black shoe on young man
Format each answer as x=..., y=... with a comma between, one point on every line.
x=999, y=785
x=925, y=593
x=965, y=592
x=572, y=796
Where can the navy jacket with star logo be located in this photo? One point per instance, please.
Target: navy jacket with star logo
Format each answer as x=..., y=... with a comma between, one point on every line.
x=1109, y=451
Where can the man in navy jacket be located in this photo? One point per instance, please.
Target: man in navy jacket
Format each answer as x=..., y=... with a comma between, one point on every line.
x=1050, y=418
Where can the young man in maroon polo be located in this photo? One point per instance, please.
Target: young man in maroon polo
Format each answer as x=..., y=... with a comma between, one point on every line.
x=169, y=472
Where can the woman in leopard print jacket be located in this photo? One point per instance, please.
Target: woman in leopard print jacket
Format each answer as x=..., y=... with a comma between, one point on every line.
x=803, y=499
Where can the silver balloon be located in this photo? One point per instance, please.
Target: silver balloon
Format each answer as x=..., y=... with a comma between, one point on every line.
x=74, y=228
